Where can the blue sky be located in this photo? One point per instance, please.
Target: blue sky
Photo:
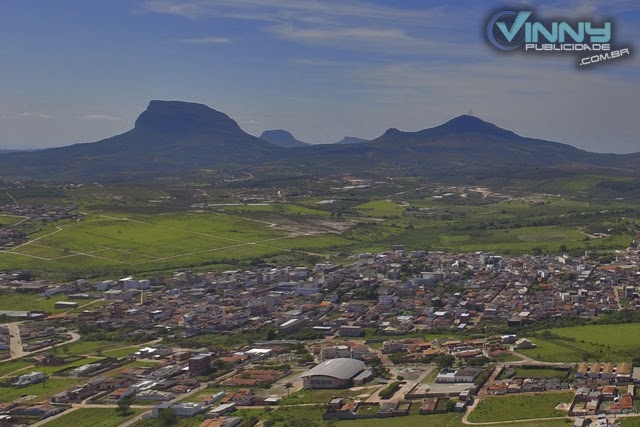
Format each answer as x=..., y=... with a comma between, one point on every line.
x=78, y=71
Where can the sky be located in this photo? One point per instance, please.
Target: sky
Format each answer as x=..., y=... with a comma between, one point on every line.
x=80, y=71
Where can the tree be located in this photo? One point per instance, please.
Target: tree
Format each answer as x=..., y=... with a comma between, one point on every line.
x=288, y=386
x=168, y=417
x=123, y=406
x=445, y=361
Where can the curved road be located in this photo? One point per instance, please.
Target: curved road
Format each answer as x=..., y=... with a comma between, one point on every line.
x=16, y=342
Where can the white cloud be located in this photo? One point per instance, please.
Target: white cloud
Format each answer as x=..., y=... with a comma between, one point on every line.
x=279, y=10
x=207, y=40
x=315, y=62
x=104, y=117
x=26, y=115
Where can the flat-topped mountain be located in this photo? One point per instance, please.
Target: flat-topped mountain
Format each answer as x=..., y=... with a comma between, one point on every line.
x=282, y=138
x=168, y=137
x=351, y=140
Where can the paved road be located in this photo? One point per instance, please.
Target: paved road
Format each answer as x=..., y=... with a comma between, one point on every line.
x=16, y=342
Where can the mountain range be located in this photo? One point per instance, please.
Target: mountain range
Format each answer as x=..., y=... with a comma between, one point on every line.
x=172, y=137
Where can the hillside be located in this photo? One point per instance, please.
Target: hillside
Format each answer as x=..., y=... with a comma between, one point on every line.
x=175, y=138
x=168, y=137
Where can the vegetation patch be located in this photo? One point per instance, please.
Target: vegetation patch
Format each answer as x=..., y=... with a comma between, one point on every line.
x=92, y=417
x=510, y=408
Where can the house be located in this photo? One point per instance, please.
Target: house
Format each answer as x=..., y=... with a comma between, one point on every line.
x=182, y=409
x=350, y=331
x=335, y=352
x=524, y=343
x=225, y=408
x=30, y=378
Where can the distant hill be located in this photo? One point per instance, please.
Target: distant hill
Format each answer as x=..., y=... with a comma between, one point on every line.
x=351, y=140
x=465, y=145
x=168, y=137
x=282, y=138
x=173, y=138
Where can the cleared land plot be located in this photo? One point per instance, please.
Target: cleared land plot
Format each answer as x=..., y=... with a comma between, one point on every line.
x=93, y=347
x=92, y=417
x=443, y=420
x=12, y=300
x=626, y=335
x=38, y=392
x=555, y=351
x=615, y=343
x=540, y=373
x=380, y=208
x=510, y=408
x=323, y=396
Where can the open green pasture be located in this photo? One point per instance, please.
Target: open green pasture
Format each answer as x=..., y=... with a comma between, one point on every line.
x=508, y=408
x=12, y=300
x=606, y=343
x=9, y=220
x=92, y=417
x=39, y=392
x=124, y=242
x=102, y=243
x=441, y=420
x=522, y=372
x=380, y=208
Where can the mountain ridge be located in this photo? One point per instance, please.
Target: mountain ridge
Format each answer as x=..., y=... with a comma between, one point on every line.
x=176, y=137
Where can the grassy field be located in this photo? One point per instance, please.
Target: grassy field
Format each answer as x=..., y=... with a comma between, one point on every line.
x=6, y=368
x=323, y=396
x=40, y=392
x=138, y=243
x=615, y=343
x=92, y=417
x=107, y=348
x=48, y=370
x=278, y=208
x=123, y=240
x=244, y=414
x=308, y=416
x=380, y=208
x=510, y=408
x=555, y=351
x=9, y=220
x=443, y=420
x=12, y=300
x=121, y=352
x=540, y=373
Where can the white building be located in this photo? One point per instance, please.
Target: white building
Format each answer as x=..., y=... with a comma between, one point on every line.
x=30, y=378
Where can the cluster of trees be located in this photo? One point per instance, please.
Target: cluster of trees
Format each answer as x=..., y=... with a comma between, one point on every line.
x=390, y=390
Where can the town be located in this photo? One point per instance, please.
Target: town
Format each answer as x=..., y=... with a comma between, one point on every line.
x=385, y=335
